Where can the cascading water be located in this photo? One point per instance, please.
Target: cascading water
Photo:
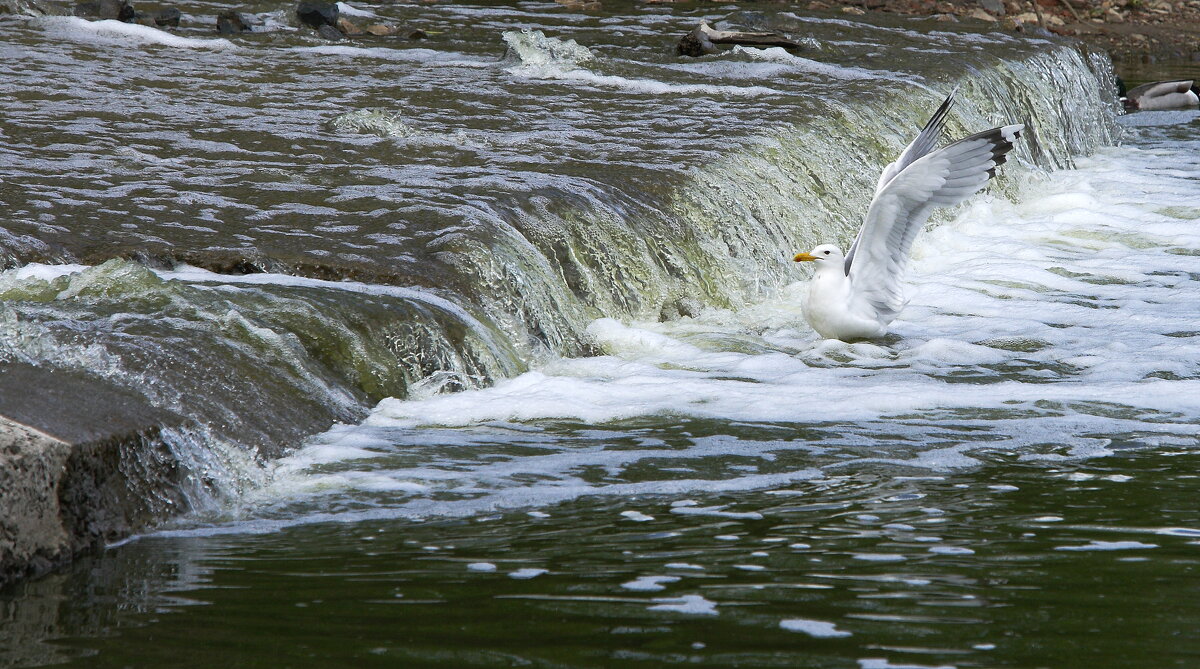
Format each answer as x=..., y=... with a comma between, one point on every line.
x=677, y=186
x=503, y=325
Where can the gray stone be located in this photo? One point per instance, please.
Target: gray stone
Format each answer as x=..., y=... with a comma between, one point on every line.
x=993, y=7
x=81, y=463
x=121, y=10
x=315, y=14
x=167, y=17
x=33, y=537
x=330, y=33
x=230, y=22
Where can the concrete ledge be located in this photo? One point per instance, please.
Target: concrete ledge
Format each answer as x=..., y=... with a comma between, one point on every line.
x=82, y=462
x=32, y=536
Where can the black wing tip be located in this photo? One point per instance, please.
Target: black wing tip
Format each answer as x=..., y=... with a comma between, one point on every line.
x=939, y=116
x=1002, y=139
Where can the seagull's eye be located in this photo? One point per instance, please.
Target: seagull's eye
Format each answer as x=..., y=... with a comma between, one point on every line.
x=827, y=253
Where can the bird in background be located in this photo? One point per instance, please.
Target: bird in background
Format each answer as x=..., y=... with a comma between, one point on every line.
x=857, y=295
x=1162, y=95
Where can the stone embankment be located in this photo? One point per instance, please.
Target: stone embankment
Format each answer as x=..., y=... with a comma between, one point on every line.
x=81, y=463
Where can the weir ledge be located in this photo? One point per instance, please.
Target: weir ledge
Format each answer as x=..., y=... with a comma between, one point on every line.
x=82, y=463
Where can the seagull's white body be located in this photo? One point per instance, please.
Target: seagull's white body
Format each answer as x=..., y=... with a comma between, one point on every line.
x=857, y=295
x=833, y=307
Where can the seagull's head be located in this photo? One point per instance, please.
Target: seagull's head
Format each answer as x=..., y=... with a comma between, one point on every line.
x=825, y=254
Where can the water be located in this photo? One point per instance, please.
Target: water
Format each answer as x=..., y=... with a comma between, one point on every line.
x=647, y=458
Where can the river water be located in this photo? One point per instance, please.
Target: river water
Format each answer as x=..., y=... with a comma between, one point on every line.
x=535, y=271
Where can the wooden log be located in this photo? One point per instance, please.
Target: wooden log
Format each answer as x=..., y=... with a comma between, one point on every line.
x=703, y=40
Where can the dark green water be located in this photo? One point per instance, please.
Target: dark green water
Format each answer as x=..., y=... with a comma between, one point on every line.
x=1008, y=565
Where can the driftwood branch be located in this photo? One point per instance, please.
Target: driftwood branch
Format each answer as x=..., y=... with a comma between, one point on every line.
x=1037, y=9
x=703, y=40
x=1068, y=5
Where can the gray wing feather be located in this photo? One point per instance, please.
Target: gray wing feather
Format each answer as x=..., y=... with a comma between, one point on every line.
x=943, y=178
x=922, y=145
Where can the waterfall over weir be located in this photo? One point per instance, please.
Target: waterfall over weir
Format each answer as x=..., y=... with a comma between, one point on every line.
x=343, y=224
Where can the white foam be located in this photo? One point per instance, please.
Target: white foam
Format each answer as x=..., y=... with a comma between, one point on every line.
x=879, y=557
x=689, y=604
x=1178, y=531
x=482, y=566
x=649, y=583
x=637, y=516
x=351, y=10
x=111, y=31
x=716, y=511
x=543, y=57
x=813, y=628
x=951, y=550
x=683, y=565
x=983, y=296
x=422, y=56
x=527, y=573
x=801, y=64
x=1107, y=546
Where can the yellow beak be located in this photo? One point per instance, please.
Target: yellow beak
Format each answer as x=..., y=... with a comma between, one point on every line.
x=801, y=257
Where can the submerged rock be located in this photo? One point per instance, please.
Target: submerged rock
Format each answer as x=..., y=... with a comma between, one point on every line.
x=348, y=27
x=330, y=33
x=373, y=121
x=381, y=30
x=82, y=463
x=167, y=17
x=316, y=14
x=121, y=10
x=231, y=22
x=994, y=7
x=695, y=44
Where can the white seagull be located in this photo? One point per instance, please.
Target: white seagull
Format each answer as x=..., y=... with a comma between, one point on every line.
x=857, y=295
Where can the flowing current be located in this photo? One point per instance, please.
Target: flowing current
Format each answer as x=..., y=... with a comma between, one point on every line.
x=487, y=349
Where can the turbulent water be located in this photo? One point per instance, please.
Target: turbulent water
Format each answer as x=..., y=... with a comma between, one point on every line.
x=535, y=272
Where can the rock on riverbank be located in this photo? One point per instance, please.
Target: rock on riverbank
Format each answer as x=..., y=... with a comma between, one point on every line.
x=81, y=464
x=1167, y=27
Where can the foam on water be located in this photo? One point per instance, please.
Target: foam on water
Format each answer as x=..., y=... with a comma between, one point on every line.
x=1056, y=327
x=111, y=31
x=350, y=10
x=1107, y=546
x=687, y=604
x=543, y=57
x=814, y=628
x=796, y=63
x=424, y=57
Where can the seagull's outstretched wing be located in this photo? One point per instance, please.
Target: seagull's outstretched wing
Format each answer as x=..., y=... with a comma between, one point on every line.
x=926, y=141
x=942, y=178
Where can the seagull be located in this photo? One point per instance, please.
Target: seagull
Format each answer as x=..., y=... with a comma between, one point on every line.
x=857, y=295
